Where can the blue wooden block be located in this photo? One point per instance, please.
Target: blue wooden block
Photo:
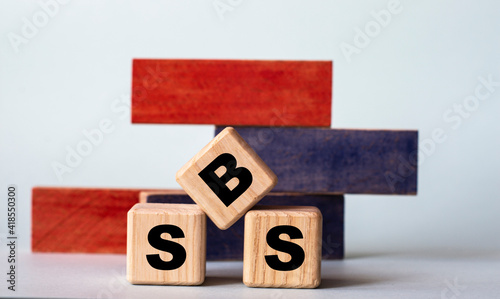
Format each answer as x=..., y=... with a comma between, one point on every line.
x=228, y=244
x=337, y=161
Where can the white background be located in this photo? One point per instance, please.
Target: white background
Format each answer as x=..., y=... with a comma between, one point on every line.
x=77, y=68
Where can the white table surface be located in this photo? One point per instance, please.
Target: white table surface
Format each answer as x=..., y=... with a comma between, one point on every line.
x=391, y=275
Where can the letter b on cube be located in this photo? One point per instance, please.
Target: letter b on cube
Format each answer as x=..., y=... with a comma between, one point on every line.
x=226, y=178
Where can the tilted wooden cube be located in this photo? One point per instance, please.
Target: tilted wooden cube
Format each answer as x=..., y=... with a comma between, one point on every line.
x=226, y=178
x=166, y=244
x=282, y=247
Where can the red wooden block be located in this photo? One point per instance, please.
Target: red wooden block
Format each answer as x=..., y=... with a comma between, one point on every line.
x=232, y=92
x=81, y=220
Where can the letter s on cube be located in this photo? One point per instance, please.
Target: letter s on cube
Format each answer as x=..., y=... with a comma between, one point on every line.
x=166, y=244
x=226, y=178
x=282, y=247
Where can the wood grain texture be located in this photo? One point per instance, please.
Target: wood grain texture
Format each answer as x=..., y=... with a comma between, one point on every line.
x=228, y=244
x=80, y=219
x=190, y=219
x=336, y=160
x=226, y=142
x=232, y=92
x=258, y=222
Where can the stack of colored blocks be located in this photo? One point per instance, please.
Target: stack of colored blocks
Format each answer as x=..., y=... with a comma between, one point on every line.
x=281, y=111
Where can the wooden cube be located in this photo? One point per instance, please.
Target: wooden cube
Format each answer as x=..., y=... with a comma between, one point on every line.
x=226, y=178
x=282, y=247
x=166, y=244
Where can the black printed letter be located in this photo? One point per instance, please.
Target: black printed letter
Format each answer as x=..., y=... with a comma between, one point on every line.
x=218, y=184
x=274, y=241
x=178, y=252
